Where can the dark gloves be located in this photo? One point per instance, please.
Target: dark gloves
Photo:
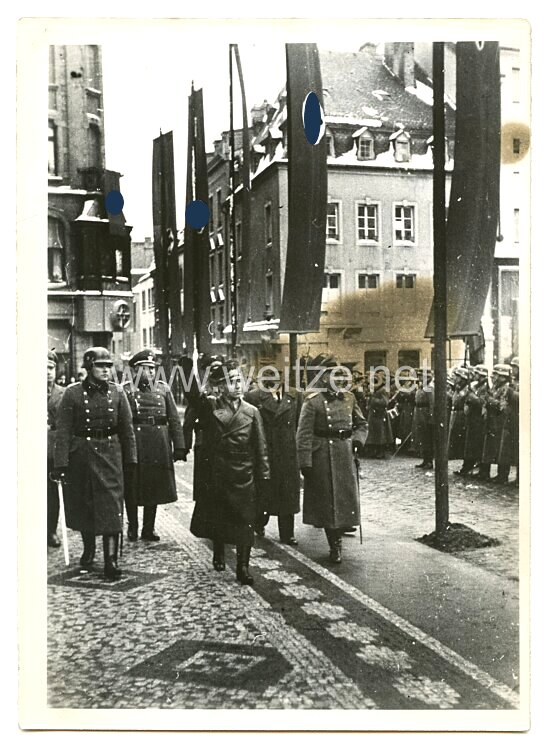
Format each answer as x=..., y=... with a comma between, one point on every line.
x=357, y=447
x=305, y=471
x=58, y=473
x=181, y=454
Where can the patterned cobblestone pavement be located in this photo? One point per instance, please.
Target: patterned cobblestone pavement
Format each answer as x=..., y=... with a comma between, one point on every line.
x=173, y=633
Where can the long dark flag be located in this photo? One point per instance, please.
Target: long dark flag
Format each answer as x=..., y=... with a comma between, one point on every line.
x=188, y=241
x=474, y=199
x=165, y=244
x=307, y=171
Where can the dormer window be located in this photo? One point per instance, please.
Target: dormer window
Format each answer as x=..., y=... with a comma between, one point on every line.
x=401, y=145
x=365, y=144
x=330, y=144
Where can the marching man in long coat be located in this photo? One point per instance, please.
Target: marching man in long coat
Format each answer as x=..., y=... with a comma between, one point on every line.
x=159, y=442
x=95, y=441
x=495, y=414
x=331, y=432
x=475, y=422
x=509, y=448
x=233, y=457
x=280, y=411
x=380, y=433
x=55, y=393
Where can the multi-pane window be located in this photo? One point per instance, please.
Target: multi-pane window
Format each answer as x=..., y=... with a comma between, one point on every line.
x=268, y=224
x=269, y=292
x=368, y=280
x=375, y=358
x=144, y=334
x=220, y=268
x=406, y=280
x=219, y=210
x=402, y=148
x=150, y=301
x=333, y=221
x=212, y=270
x=332, y=286
x=367, y=222
x=55, y=250
x=366, y=148
x=330, y=145
x=409, y=358
x=151, y=335
x=404, y=223
x=52, y=149
x=144, y=301
x=210, y=207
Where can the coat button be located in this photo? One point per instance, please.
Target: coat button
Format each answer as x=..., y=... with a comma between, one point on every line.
x=330, y=441
x=88, y=438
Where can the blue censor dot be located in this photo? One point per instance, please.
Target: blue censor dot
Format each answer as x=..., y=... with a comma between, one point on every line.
x=312, y=117
x=114, y=202
x=197, y=214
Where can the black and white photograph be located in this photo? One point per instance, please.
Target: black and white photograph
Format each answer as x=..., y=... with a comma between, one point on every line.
x=283, y=465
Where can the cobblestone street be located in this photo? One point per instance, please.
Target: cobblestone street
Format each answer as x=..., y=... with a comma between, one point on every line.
x=173, y=633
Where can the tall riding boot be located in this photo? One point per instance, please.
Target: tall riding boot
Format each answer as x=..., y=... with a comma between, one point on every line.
x=148, y=526
x=335, y=543
x=132, y=518
x=286, y=527
x=218, y=555
x=89, y=548
x=243, y=552
x=111, y=549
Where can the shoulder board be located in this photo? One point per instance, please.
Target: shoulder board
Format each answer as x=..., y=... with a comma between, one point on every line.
x=71, y=385
x=312, y=394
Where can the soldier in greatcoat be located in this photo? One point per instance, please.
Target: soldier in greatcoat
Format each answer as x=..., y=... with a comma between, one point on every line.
x=359, y=387
x=457, y=425
x=331, y=433
x=233, y=456
x=159, y=442
x=475, y=422
x=509, y=448
x=94, y=442
x=380, y=433
x=495, y=412
x=54, y=397
x=423, y=419
x=280, y=411
x=404, y=404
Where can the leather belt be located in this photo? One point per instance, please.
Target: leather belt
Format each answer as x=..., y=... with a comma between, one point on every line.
x=340, y=434
x=97, y=434
x=150, y=420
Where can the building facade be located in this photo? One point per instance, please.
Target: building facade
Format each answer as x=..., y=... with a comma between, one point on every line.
x=89, y=290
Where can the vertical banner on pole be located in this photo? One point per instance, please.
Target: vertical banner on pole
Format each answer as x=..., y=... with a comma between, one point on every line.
x=307, y=172
x=162, y=323
x=188, y=240
x=473, y=212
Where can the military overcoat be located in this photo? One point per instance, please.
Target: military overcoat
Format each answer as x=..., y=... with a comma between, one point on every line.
x=379, y=422
x=457, y=425
x=509, y=447
x=423, y=420
x=495, y=412
x=158, y=431
x=93, y=488
x=331, y=488
x=280, y=418
x=53, y=402
x=233, y=455
x=475, y=422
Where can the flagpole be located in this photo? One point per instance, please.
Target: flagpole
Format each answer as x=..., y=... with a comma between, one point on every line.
x=440, y=295
x=232, y=218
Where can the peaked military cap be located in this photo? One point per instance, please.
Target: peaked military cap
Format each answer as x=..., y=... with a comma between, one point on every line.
x=218, y=373
x=504, y=371
x=145, y=357
x=515, y=362
x=325, y=361
x=481, y=370
x=52, y=357
x=462, y=372
x=96, y=355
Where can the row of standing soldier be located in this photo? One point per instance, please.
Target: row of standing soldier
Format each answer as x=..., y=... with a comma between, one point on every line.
x=483, y=426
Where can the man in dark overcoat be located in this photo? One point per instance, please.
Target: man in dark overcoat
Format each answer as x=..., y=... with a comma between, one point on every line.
x=233, y=456
x=380, y=433
x=423, y=419
x=95, y=441
x=54, y=397
x=475, y=423
x=331, y=432
x=509, y=448
x=280, y=411
x=159, y=442
x=495, y=413
x=458, y=423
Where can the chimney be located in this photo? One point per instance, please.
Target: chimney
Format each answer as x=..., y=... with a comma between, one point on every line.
x=399, y=58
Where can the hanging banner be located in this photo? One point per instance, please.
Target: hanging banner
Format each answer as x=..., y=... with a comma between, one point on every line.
x=473, y=212
x=307, y=171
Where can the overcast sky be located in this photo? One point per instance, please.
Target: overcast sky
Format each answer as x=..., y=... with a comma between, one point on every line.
x=147, y=80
